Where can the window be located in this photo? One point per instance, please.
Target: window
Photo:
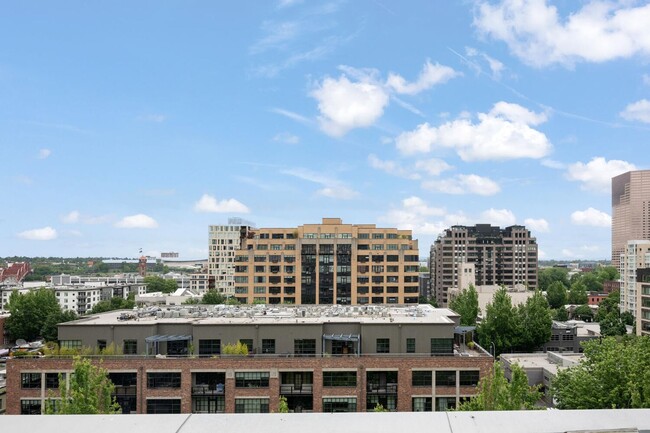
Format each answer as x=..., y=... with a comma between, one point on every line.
x=446, y=378
x=164, y=380
x=469, y=377
x=209, y=347
x=338, y=404
x=442, y=346
x=30, y=407
x=260, y=268
x=421, y=378
x=378, y=236
x=71, y=344
x=164, y=405
x=304, y=347
x=130, y=347
x=101, y=345
x=268, y=345
x=208, y=404
x=383, y=345
x=248, y=342
x=339, y=378
x=51, y=380
x=377, y=247
x=445, y=403
x=251, y=405
x=422, y=404
x=410, y=345
x=252, y=379
x=30, y=380
x=262, y=247
x=259, y=290
x=388, y=401
x=364, y=235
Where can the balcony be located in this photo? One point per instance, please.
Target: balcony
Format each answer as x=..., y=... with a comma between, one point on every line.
x=297, y=389
x=388, y=388
x=218, y=389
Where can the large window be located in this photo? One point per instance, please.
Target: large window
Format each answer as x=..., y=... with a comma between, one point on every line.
x=164, y=405
x=164, y=380
x=208, y=404
x=389, y=402
x=252, y=379
x=339, y=378
x=445, y=403
x=339, y=404
x=251, y=405
x=421, y=378
x=410, y=345
x=422, y=404
x=70, y=344
x=304, y=347
x=442, y=346
x=469, y=377
x=130, y=347
x=209, y=347
x=268, y=345
x=30, y=380
x=383, y=345
x=446, y=378
x=30, y=407
x=51, y=380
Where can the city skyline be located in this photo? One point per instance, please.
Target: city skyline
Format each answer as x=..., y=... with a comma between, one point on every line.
x=128, y=126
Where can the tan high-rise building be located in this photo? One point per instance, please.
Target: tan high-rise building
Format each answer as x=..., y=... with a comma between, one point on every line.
x=223, y=241
x=328, y=263
x=630, y=210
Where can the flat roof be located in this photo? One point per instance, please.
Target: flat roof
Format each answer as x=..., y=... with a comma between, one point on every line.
x=266, y=314
x=549, y=361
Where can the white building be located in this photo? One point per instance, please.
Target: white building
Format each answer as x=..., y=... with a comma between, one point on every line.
x=79, y=299
x=223, y=241
x=636, y=256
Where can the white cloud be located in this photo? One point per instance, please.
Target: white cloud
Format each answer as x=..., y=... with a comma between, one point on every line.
x=499, y=217
x=463, y=184
x=71, y=218
x=208, y=203
x=291, y=115
x=75, y=217
x=332, y=188
x=596, y=175
x=541, y=254
x=338, y=191
x=155, y=118
x=496, y=67
x=44, y=153
x=138, y=221
x=550, y=163
x=433, y=167
x=345, y=105
x=414, y=215
x=42, y=234
x=537, y=225
x=278, y=34
x=429, y=77
x=503, y=133
x=391, y=167
x=599, y=31
x=285, y=137
x=639, y=110
x=591, y=217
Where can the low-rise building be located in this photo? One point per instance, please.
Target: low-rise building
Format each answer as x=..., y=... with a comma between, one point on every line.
x=568, y=336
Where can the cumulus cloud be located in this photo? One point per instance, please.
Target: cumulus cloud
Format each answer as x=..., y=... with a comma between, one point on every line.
x=596, y=175
x=537, y=225
x=463, y=184
x=591, y=217
x=429, y=76
x=285, y=137
x=42, y=234
x=433, y=166
x=502, y=134
x=71, y=218
x=415, y=215
x=44, y=153
x=209, y=203
x=499, y=217
x=138, y=221
x=639, y=110
x=599, y=31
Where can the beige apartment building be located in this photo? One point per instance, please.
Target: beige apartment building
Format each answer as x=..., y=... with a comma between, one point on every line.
x=328, y=263
x=630, y=210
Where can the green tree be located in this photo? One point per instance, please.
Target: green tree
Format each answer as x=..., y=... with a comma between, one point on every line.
x=380, y=408
x=608, y=305
x=577, y=294
x=496, y=393
x=115, y=303
x=612, y=325
x=556, y=294
x=548, y=276
x=466, y=304
x=607, y=273
x=283, y=406
x=501, y=325
x=35, y=314
x=583, y=312
x=535, y=322
x=627, y=318
x=170, y=285
x=89, y=392
x=213, y=297
x=238, y=348
x=613, y=374
x=561, y=315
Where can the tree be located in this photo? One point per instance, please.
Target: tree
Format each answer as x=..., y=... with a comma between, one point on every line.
x=283, y=406
x=238, y=348
x=556, y=294
x=115, y=303
x=612, y=325
x=548, y=276
x=466, y=304
x=608, y=305
x=578, y=294
x=89, y=392
x=496, y=393
x=535, y=322
x=561, y=315
x=500, y=326
x=583, y=312
x=158, y=284
x=213, y=297
x=607, y=273
x=627, y=318
x=591, y=282
x=613, y=374
x=35, y=314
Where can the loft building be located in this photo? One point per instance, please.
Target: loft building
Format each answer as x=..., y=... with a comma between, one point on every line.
x=328, y=263
x=223, y=242
x=320, y=358
x=630, y=210
x=482, y=255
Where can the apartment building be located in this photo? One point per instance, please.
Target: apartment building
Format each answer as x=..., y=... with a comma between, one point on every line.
x=223, y=242
x=630, y=210
x=328, y=263
x=643, y=302
x=320, y=358
x=482, y=255
x=634, y=257
x=80, y=299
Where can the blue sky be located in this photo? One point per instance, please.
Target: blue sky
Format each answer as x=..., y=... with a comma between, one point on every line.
x=128, y=125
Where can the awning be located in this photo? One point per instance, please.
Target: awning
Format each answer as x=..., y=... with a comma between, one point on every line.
x=463, y=329
x=341, y=337
x=159, y=338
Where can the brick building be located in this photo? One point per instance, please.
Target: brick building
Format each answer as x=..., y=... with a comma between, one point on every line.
x=322, y=359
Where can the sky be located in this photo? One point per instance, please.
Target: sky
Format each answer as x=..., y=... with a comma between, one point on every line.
x=134, y=125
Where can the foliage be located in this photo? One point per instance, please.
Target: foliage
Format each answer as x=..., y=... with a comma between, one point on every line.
x=548, y=276
x=583, y=312
x=53, y=349
x=609, y=316
x=535, y=322
x=233, y=301
x=380, y=408
x=283, y=406
x=612, y=325
x=577, y=294
x=466, y=304
x=496, y=393
x=235, y=349
x=191, y=301
x=431, y=301
x=500, y=326
x=115, y=303
x=213, y=297
x=159, y=284
x=556, y=294
x=35, y=314
x=607, y=273
x=608, y=305
x=89, y=392
x=613, y=374
x=561, y=315
x=627, y=318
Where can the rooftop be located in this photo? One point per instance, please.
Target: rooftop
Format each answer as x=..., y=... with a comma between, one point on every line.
x=549, y=361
